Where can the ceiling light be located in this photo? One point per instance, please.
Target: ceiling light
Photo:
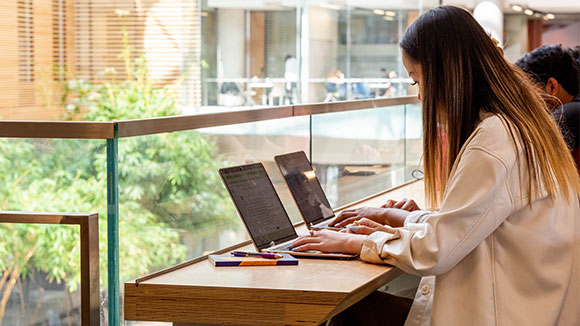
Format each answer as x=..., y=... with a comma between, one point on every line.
x=537, y=14
x=528, y=12
x=550, y=16
x=390, y=13
x=379, y=12
x=389, y=18
x=517, y=8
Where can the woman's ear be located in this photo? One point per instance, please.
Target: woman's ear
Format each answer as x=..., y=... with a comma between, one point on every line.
x=552, y=86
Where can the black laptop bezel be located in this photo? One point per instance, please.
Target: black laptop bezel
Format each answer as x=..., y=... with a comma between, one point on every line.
x=278, y=159
x=247, y=167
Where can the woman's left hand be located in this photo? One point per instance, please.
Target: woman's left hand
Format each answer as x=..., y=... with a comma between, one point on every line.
x=330, y=241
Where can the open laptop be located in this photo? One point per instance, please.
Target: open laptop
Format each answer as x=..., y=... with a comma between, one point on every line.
x=262, y=211
x=306, y=190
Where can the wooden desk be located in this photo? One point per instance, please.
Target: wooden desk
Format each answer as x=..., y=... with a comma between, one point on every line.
x=307, y=294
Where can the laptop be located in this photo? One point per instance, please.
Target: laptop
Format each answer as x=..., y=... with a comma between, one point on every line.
x=262, y=211
x=306, y=190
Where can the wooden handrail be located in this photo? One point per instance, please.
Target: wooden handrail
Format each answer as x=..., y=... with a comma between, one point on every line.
x=89, y=224
x=139, y=127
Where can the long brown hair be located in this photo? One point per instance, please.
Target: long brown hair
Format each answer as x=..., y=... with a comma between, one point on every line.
x=463, y=74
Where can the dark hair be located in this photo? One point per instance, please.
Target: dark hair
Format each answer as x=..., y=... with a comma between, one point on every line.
x=288, y=56
x=463, y=74
x=551, y=61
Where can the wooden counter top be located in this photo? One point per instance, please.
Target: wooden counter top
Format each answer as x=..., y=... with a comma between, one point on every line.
x=306, y=294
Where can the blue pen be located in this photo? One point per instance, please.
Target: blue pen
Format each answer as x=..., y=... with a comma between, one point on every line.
x=259, y=254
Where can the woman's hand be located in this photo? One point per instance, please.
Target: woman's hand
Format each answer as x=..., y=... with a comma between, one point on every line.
x=367, y=227
x=394, y=217
x=330, y=241
x=404, y=204
x=348, y=216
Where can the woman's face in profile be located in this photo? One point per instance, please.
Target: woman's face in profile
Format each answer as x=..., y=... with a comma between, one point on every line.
x=414, y=70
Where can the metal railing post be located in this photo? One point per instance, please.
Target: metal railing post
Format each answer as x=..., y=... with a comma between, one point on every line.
x=113, y=230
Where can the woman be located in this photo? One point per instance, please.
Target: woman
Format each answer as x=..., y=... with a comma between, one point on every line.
x=503, y=248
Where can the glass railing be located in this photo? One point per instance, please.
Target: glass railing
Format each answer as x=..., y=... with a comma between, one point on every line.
x=50, y=269
x=155, y=184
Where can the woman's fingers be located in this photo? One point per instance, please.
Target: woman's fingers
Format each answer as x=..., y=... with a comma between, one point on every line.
x=307, y=246
x=400, y=203
x=304, y=240
x=367, y=222
x=348, y=221
x=361, y=229
x=389, y=203
x=410, y=206
x=343, y=215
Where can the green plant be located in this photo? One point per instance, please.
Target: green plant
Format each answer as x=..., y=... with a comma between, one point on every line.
x=167, y=182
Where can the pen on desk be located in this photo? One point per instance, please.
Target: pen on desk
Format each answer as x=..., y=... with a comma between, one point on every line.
x=258, y=254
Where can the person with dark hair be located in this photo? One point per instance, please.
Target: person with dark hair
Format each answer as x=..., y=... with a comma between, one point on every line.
x=554, y=70
x=501, y=242
x=557, y=72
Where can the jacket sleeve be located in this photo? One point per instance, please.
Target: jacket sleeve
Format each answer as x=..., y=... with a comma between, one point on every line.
x=476, y=202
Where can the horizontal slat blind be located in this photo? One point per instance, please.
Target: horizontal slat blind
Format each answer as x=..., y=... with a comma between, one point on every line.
x=44, y=41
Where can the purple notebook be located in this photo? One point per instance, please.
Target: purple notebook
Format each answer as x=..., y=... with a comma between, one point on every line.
x=231, y=260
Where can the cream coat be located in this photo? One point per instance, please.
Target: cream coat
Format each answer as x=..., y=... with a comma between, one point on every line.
x=487, y=257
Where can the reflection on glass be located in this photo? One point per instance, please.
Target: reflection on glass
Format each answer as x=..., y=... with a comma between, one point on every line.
x=48, y=175
x=288, y=52
x=356, y=154
x=173, y=204
x=413, y=141
x=39, y=275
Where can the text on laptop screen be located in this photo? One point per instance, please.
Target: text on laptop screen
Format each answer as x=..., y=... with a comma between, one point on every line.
x=258, y=203
x=305, y=187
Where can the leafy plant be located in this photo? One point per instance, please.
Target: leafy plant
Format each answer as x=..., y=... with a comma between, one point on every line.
x=167, y=182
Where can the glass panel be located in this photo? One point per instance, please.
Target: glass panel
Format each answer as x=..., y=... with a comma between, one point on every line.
x=173, y=205
x=249, y=53
x=40, y=275
x=284, y=52
x=53, y=175
x=413, y=141
x=356, y=154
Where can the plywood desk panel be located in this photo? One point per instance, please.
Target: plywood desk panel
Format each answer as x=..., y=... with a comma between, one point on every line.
x=307, y=294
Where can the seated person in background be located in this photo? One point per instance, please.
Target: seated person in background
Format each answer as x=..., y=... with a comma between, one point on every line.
x=556, y=71
x=502, y=247
x=335, y=86
x=382, y=92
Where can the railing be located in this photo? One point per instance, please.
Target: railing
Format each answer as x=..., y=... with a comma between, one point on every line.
x=115, y=130
x=89, y=231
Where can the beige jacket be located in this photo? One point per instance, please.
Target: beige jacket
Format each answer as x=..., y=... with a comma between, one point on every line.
x=488, y=257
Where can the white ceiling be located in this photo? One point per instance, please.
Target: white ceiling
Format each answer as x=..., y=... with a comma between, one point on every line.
x=552, y=6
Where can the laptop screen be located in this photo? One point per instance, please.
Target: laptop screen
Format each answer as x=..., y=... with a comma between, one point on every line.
x=258, y=204
x=305, y=187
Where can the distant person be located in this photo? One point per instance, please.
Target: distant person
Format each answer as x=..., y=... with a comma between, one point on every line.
x=392, y=91
x=556, y=72
x=335, y=86
x=291, y=73
x=575, y=52
x=387, y=85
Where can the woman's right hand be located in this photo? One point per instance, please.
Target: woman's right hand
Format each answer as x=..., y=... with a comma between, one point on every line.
x=394, y=217
x=348, y=216
x=404, y=204
x=368, y=227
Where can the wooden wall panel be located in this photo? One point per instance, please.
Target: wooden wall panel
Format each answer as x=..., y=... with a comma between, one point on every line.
x=9, y=59
x=81, y=38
